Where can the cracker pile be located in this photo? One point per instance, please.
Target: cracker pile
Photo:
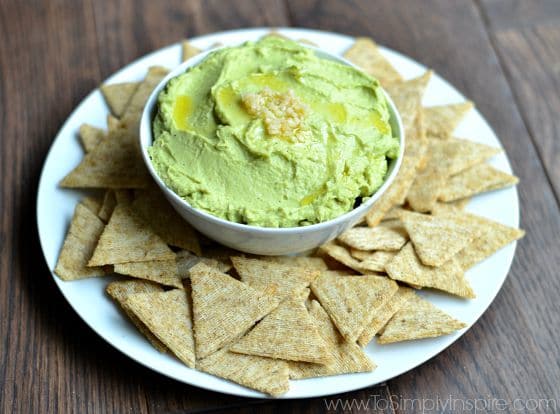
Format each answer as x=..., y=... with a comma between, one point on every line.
x=261, y=321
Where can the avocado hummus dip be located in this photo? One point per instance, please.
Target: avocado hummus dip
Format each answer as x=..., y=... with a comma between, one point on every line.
x=268, y=134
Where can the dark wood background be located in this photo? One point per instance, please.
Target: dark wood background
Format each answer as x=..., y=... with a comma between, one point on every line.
x=503, y=54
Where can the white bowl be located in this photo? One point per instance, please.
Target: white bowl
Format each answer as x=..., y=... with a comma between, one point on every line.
x=253, y=239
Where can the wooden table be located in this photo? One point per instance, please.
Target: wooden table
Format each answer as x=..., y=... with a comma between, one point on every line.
x=503, y=54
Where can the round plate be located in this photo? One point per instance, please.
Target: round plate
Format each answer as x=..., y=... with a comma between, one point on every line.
x=55, y=207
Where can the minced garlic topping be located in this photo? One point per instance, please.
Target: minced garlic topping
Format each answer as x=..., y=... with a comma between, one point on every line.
x=283, y=114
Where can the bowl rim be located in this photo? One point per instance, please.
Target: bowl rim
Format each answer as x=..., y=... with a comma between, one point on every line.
x=146, y=139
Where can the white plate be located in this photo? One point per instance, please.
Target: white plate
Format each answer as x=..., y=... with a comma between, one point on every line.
x=55, y=207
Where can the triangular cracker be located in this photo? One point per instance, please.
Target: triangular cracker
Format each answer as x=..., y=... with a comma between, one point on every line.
x=307, y=42
x=224, y=308
x=384, y=313
x=407, y=96
x=373, y=261
x=142, y=93
x=120, y=290
x=404, y=181
x=152, y=206
x=365, y=54
x=83, y=234
x=314, y=263
x=219, y=252
x=260, y=274
x=90, y=136
x=108, y=205
x=407, y=267
x=394, y=213
x=188, y=50
x=114, y=163
x=418, y=319
x=467, y=154
x=445, y=158
x=442, y=120
x=342, y=255
x=395, y=224
x=347, y=357
x=117, y=96
x=267, y=375
x=289, y=333
x=436, y=239
x=396, y=193
x=492, y=236
x=186, y=260
x=495, y=237
x=452, y=206
x=440, y=156
x=362, y=255
x=275, y=33
x=423, y=193
x=475, y=180
x=127, y=238
x=350, y=301
x=374, y=238
x=168, y=316
x=159, y=271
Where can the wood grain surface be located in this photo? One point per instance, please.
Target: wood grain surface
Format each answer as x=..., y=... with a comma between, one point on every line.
x=502, y=54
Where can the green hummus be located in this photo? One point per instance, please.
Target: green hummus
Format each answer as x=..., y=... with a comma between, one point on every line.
x=270, y=135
